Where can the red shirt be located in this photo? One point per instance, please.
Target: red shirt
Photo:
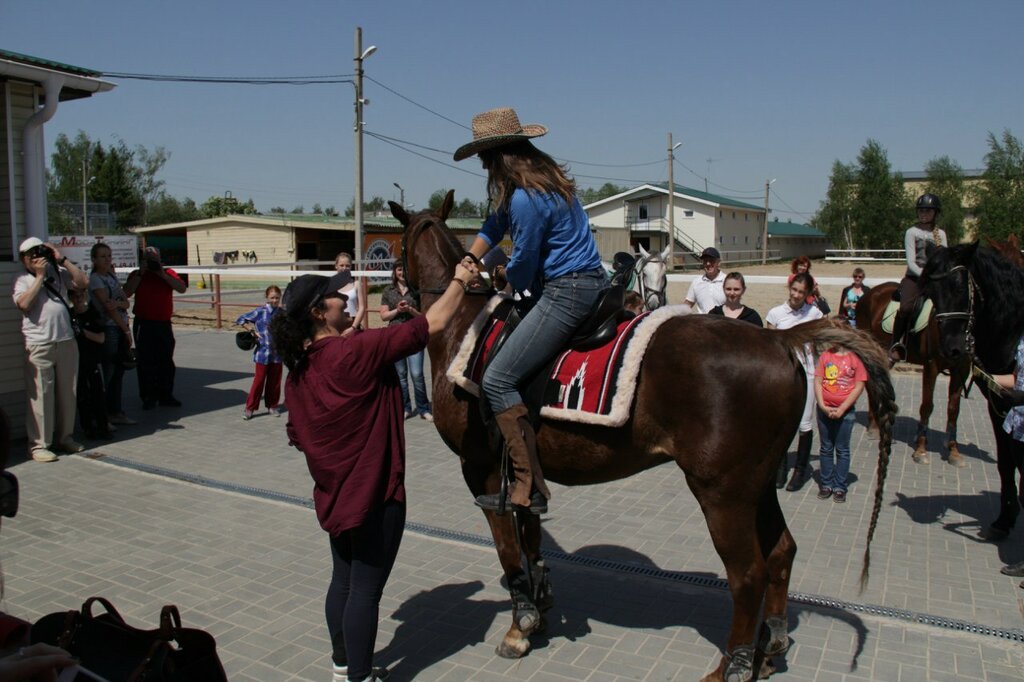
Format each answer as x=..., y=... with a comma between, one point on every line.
x=154, y=298
x=838, y=375
x=345, y=414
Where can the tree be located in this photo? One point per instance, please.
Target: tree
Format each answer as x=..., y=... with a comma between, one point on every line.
x=835, y=217
x=374, y=205
x=299, y=210
x=317, y=210
x=590, y=195
x=220, y=206
x=946, y=181
x=1001, y=197
x=148, y=164
x=882, y=209
x=164, y=209
x=331, y=211
x=278, y=210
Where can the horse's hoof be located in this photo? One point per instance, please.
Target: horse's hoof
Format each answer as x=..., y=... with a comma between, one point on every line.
x=872, y=434
x=921, y=458
x=957, y=460
x=513, y=648
x=767, y=669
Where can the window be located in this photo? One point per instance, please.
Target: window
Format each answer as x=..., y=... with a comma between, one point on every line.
x=643, y=211
x=719, y=213
x=734, y=239
x=746, y=239
x=734, y=215
x=687, y=213
x=746, y=217
x=721, y=240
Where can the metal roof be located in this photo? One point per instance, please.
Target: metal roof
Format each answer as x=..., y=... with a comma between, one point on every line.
x=49, y=64
x=777, y=228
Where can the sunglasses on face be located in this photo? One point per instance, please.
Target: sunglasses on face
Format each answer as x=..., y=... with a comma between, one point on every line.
x=8, y=494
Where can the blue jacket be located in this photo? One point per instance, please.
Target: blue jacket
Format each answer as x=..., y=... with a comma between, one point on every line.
x=550, y=238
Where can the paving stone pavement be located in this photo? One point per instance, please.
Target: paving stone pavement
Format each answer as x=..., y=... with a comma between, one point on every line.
x=254, y=570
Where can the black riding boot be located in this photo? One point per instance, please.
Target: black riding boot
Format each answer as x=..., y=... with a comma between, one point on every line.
x=802, y=468
x=898, y=349
x=780, y=475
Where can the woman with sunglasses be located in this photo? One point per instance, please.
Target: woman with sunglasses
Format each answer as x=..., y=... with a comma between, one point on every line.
x=851, y=294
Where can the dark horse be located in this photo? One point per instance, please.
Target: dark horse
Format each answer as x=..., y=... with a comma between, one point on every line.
x=720, y=398
x=922, y=349
x=978, y=296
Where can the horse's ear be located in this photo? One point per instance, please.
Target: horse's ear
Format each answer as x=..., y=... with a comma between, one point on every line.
x=447, y=204
x=643, y=251
x=968, y=251
x=666, y=252
x=399, y=212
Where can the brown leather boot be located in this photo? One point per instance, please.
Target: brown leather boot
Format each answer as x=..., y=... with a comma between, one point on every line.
x=515, y=427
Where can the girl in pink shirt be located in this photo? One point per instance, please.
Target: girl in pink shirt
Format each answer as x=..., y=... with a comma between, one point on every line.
x=838, y=381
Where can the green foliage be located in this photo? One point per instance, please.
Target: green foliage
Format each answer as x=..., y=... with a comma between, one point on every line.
x=866, y=206
x=946, y=181
x=278, y=210
x=122, y=177
x=164, y=209
x=590, y=194
x=298, y=210
x=1000, y=198
x=467, y=208
x=835, y=218
x=317, y=209
x=374, y=205
x=220, y=206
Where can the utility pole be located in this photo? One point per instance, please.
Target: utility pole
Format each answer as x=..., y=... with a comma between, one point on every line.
x=671, y=200
x=360, y=55
x=764, y=235
x=85, y=202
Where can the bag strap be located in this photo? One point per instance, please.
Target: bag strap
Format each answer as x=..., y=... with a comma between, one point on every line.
x=107, y=606
x=59, y=297
x=170, y=622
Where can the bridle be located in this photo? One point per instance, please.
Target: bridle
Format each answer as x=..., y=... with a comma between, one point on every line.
x=967, y=315
x=645, y=290
x=417, y=229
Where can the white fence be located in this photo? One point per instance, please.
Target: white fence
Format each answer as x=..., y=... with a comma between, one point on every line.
x=865, y=255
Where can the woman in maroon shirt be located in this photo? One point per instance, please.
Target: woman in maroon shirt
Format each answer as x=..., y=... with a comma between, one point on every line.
x=345, y=415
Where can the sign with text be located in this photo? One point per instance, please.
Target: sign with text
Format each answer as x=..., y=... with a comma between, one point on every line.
x=124, y=248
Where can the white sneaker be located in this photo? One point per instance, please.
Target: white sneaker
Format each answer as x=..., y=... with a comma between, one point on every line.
x=44, y=455
x=426, y=415
x=71, y=447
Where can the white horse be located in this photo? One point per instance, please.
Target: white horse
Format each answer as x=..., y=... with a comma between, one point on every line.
x=646, y=275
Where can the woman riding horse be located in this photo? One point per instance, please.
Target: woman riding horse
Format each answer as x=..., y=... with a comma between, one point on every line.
x=554, y=256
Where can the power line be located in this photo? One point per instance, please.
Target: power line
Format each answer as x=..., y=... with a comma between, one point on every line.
x=791, y=209
x=415, y=103
x=388, y=140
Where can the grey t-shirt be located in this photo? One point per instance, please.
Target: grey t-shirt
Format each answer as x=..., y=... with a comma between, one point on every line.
x=48, y=320
x=916, y=242
x=114, y=291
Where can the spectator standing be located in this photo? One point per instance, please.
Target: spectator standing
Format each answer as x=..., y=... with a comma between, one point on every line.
x=110, y=301
x=706, y=291
x=851, y=294
x=356, y=295
x=398, y=306
x=796, y=311
x=734, y=287
x=90, y=334
x=802, y=264
x=267, y=381
x=51, y=367
x=345, y=415
x=153, y=287
x=838, y=382
x=1010, y=438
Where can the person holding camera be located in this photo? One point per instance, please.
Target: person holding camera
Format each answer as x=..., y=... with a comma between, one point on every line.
x=153, y=287
x=111, y=303
x=51, y=367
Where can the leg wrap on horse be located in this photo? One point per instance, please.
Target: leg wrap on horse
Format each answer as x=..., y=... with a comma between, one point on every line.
x=527, y=615
x=740, y=665
x=778, y=631
x=517, y=431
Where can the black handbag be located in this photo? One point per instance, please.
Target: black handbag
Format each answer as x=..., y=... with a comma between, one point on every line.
x=107, y=646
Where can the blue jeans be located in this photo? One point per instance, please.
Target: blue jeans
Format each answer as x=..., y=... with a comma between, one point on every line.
x=563, y=305
x=414, y=365
x=834, y=435
x=113, y=370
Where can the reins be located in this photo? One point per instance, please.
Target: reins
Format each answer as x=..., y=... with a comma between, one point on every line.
x=419, y=228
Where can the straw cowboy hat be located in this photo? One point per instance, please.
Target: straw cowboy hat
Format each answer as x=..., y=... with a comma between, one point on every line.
x=495, y=128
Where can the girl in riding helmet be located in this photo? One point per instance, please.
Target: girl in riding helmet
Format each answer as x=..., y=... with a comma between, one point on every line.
x=554, y=256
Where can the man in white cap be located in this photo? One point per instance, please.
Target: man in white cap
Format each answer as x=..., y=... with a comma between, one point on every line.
x=707, y=290
x=51, y=367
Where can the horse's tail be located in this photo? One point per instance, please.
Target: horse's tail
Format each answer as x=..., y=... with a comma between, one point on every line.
x=828, y=333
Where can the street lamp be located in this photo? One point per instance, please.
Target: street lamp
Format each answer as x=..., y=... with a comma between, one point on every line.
x=401, y=194
x=671, y=199
x=360, y=55
x=764, y=235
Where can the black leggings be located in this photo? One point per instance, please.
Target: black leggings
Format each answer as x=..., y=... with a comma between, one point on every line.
x=363, y=558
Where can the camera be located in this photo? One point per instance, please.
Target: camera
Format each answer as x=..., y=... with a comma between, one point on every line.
x=153, y=265
x=43, y=251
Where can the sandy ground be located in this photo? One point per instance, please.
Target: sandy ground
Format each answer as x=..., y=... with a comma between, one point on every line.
x=760, y=297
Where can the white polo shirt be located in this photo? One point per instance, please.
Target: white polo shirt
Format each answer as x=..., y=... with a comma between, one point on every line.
x=784, y=317
x=707, y=293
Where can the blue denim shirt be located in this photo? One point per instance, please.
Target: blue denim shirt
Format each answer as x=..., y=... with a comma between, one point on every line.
x=1014, y=422
x=260, y=317
x=550, y=238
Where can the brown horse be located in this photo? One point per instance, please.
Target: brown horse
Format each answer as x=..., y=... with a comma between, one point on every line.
x=720, y=398
x=922, y=349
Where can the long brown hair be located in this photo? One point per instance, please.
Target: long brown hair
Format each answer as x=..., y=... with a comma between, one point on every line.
x=523, y=166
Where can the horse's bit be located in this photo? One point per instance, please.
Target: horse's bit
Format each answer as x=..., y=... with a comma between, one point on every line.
x=963, y=314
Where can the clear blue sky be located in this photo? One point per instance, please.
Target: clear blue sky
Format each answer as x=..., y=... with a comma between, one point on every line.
x=764, y=89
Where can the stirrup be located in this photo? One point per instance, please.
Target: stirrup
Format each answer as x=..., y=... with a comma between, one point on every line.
x=497, y=503
x=900, y=350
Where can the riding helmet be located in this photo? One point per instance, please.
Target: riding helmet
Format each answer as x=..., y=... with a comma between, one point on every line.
x=929, y=201
x=245, y=340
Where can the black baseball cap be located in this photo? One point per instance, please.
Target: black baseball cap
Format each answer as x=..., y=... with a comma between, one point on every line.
x=306, y=291
x=711, y=252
